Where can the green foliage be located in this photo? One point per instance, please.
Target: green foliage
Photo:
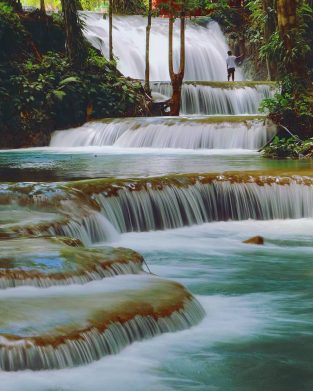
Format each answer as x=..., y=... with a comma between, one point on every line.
x=92, y=5
x=12, y=33
x=230, y=19
x=282, y=148
x=47, y=32
x=293, y=106
x=129, y=7
x=61, y=94
x=41, y=93
x=255, y=30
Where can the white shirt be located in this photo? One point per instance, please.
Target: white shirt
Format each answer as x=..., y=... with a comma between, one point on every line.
x=230, y=61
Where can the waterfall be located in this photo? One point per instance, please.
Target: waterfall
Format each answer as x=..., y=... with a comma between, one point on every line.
x=92, y=345
x=206, y=48
x=70, y=326
x=91, y=229
x=188, y=133
x=227, y=99
x=176, y=205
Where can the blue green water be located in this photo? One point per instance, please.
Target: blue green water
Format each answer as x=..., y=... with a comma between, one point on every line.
x=76, y=163
x=258, y=331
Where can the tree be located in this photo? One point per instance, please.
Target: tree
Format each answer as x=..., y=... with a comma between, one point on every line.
x=148, y=31
x=75, y=42
x=291, y=32
x=176, y=78
x=179, y=9
x=287, y=20
x=270, y=24
x=111, y=55
x=42, y=6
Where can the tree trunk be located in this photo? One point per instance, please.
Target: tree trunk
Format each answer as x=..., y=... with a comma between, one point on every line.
x=111, y=55
x=75, y=43
x=177, y=78
x=148, y=31
x=287, y=20
x=42, y=6
x=288, y=27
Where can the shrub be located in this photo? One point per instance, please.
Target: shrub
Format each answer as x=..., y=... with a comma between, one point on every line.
x=282, y=148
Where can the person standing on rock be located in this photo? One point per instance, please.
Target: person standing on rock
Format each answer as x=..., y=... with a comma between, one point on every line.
x=231, y=65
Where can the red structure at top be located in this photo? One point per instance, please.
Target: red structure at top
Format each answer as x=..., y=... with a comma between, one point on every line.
x=157, y=4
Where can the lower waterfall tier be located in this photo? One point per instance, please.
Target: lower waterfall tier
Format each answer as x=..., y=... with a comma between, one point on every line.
x=68, y=326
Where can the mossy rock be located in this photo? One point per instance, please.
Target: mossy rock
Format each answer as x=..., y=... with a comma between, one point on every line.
x=52, y=261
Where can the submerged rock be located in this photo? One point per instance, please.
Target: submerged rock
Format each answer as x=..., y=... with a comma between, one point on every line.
x=258, y=240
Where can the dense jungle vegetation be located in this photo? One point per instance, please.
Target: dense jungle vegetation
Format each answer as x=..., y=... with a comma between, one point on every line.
x=43, y=88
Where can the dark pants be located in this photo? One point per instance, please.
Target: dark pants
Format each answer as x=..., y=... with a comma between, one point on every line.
x=231, y=73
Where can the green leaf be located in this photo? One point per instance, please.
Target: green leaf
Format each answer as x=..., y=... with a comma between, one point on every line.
x=71, y=79
x=59, y=94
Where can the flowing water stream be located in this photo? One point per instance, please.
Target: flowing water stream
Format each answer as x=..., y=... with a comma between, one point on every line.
x=183, y=194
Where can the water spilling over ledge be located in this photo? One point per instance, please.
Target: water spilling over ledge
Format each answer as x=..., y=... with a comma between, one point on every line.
x=206, y=48
x=182, y=200
x=45, y=262
x=233, y=132
x=217, y=98
x=96, y=210
x=69, y=328
x=40, y=209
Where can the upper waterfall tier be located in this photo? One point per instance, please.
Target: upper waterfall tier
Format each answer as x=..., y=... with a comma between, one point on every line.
x=217, y=98
x=166, y=132
x=206, y=48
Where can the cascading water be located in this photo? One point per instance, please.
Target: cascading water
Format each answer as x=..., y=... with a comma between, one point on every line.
x=51, y=322
x=101, y=321
x=188, y=133
x=146, y=206
x=91, y=229
x=206, y=48
x=207, y=99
